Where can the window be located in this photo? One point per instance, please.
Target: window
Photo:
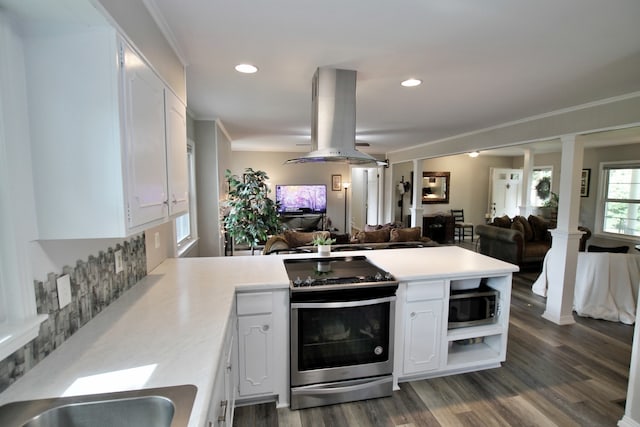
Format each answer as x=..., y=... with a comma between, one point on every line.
x=185, y=223
x=621, y=197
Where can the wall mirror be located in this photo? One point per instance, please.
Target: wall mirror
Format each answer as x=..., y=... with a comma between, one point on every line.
x=435, y=187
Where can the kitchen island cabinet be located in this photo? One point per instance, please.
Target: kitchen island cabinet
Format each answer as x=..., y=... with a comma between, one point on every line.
x=175, y=324
x=422, y=312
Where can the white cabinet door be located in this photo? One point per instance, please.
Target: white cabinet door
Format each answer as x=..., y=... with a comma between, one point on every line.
x=177, y=168
x=423, y=332
x=255, y=345
x=145, y=142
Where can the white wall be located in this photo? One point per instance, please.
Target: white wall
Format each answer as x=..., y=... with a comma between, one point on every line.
x=306, y=173
x=592, y=159
x=468, y=188
x=213, y=157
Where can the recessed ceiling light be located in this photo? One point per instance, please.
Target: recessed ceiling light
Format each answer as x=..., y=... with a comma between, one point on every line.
x=474, y=154
x=411, y=82
x=246, y=68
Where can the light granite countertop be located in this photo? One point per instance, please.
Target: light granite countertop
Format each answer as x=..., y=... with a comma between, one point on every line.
x=169, y=327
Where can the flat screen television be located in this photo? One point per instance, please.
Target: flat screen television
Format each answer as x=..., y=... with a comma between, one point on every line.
x=301, y=198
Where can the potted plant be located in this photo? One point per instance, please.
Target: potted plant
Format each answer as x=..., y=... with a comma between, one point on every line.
x=252, y=216
x=323, y=243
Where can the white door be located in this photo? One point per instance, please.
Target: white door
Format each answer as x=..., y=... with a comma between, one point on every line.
x=372, y=196
x=145, y=141
x=504, y=197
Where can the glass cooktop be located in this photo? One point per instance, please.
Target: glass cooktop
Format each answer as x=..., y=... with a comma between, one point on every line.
x=348, y=271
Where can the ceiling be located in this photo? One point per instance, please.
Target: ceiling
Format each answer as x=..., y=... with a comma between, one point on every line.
x=482, y=63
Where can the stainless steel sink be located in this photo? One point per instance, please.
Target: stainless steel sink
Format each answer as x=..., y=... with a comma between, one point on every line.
x=154, y=407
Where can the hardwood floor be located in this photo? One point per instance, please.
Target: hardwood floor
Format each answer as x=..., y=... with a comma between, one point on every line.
x=572, y=375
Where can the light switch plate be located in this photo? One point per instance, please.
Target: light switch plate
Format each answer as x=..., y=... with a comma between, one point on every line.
x=118, y=257
x=63, y=283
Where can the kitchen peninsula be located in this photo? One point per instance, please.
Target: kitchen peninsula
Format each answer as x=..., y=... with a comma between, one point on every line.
x=180, y=325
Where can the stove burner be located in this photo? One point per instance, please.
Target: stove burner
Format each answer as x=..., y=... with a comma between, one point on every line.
x=338, y=272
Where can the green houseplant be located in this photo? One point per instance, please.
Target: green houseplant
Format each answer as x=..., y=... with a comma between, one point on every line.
x=252, y=216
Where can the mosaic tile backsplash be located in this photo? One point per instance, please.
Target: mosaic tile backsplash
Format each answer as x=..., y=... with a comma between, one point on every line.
x=94, y=285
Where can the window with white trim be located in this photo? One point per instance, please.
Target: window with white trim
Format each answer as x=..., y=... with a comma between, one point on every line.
x=621, y=199
x=185, y=223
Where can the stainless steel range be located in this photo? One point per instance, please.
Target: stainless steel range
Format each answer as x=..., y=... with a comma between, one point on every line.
x=342, y=323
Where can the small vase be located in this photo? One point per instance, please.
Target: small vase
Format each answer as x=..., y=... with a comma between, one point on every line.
x=324, y=250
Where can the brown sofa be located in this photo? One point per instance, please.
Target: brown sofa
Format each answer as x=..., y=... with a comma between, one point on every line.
x=381, y=238
x=521, y=241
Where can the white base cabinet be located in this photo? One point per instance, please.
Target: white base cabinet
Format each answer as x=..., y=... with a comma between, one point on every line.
x=422, y=320
x=263, y=362
x=426, y=348
x=225, y=386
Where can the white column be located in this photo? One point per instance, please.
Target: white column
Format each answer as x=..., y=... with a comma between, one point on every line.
x=416, y=194
x=632, y=408
x=527, y=171
x=562, y=258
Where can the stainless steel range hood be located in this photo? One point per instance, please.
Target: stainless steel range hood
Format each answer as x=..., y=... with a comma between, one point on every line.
x=333, y=119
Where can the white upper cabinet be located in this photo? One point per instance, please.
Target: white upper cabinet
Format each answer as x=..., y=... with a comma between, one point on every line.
x=177, y=169
x=102, y=141
x=145, y=142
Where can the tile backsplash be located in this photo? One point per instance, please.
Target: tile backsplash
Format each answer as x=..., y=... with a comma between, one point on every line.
x=94, y=285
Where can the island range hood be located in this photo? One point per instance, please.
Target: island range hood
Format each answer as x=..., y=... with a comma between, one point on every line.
x=333, y=119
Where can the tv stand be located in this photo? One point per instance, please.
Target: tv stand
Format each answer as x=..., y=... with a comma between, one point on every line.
x=300, y=221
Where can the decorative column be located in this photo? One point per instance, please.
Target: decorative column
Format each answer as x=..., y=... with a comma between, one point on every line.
x=527, y=172
x=562, y=258
x=416, y=194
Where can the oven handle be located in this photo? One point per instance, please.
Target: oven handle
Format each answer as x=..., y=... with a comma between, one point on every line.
x=342, y=304
x=329, y=389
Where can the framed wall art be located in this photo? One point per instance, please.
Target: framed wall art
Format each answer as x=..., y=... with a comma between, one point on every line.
x=585, y=180
x=336, y=182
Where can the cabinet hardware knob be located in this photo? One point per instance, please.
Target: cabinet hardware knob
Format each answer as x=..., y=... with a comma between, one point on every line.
x=265, y=328
x=413, y=314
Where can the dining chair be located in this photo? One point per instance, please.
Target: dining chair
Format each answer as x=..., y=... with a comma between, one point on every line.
x=462, y=228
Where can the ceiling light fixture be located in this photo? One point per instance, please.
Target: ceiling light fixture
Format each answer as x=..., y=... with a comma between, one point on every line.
x=411, y=83
x=474, y=154
x=246, y=68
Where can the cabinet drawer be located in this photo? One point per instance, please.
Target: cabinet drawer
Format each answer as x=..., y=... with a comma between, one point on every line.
x=254, y=303
x=425, y=290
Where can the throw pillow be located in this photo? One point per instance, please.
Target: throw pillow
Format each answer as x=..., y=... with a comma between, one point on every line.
x=517, y=225
x=412, y=234
x=539, y=226
x=378, y=236
x=502, y=221
x=528, y=231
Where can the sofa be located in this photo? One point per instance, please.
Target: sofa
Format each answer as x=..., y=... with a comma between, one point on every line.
x=385, y=237
x=519, y=240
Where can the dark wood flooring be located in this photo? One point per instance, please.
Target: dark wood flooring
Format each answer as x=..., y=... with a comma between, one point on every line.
x=554, y=375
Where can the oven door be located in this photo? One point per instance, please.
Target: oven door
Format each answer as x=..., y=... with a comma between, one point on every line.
x=340, y=340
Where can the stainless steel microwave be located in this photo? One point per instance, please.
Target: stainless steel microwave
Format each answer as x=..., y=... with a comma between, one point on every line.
x=473, y=307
